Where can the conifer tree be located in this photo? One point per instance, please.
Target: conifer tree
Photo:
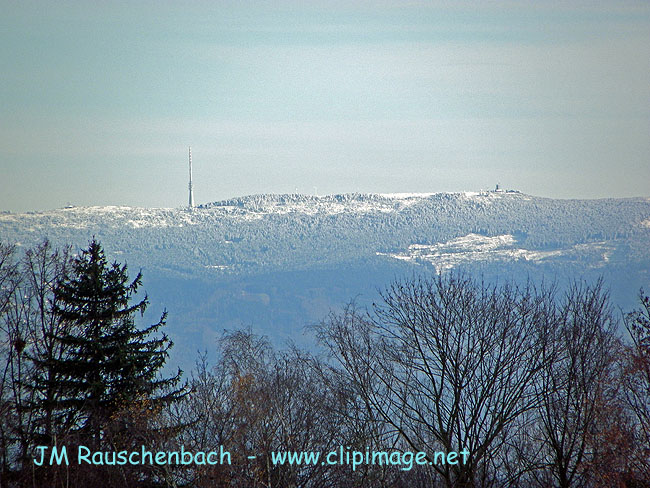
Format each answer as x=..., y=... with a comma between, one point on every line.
x=111, y=362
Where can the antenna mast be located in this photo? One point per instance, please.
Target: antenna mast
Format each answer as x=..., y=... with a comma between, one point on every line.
x=191, y=186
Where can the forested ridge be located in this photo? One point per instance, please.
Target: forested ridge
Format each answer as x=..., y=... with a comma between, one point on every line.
x=265, y=233
x=280, y=262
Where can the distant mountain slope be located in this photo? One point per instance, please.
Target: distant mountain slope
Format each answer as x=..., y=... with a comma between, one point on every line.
x=288, y=232
x=280, y=261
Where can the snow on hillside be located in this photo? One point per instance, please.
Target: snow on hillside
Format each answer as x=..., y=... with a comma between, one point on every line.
x=281, y=232
x=474, y=248
x=278, y=262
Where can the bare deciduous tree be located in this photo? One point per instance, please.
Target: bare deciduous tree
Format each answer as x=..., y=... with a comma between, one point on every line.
x=27, y=325
x=637, y=385
x=448, y=364
x=256, y=401
x=577, y=432
x=9, y=281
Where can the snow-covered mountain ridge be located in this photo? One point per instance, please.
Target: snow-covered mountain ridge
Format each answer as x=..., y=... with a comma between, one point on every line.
x=280, y=261
x=296, y=231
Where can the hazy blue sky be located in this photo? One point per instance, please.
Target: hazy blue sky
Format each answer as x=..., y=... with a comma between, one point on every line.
x=99, y=101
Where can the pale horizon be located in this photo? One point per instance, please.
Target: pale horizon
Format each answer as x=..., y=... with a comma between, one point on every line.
x=100, y=102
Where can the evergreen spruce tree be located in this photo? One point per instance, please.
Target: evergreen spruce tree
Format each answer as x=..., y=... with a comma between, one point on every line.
x=111, y=363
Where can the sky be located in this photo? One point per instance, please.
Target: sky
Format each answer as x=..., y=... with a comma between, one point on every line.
x=100, y=101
